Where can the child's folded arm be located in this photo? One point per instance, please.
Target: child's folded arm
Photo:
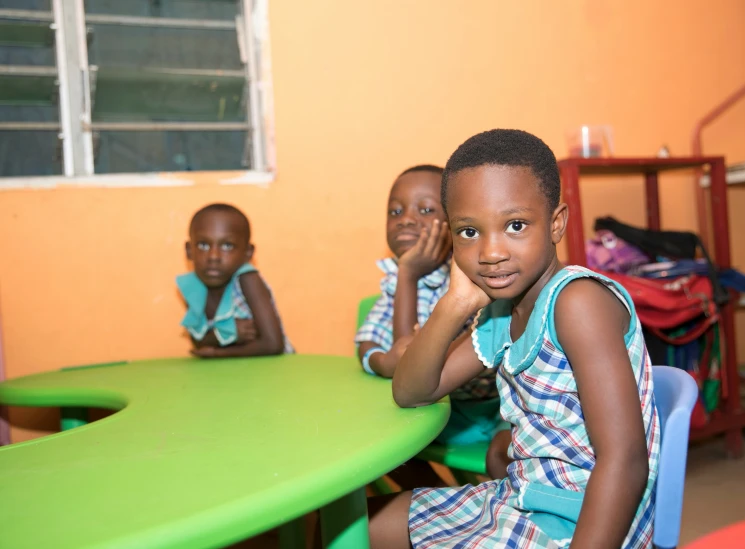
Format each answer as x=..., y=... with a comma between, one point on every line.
x=235, y=350
x=429, y=369
x=209, y=340
x=590, y=325
x=269, y=339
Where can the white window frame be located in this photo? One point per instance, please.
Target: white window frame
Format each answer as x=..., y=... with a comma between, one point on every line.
x=75, y=87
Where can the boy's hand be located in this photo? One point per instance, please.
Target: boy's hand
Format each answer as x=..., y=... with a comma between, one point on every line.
x=246, y=330
x=204, y=352
x=463, y=292
x=428, y=253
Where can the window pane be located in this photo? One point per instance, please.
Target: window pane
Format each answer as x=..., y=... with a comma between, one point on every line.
x=29, y=94
x=14, y=54
x=26, y=113
x=25, y=153
x=44, y=5
x=26, y=42
x=134, y=47
x=148, y=73
x=21, y=90
x=177, y=9
x=131, y=95
x=169, y=87
x=127, y=152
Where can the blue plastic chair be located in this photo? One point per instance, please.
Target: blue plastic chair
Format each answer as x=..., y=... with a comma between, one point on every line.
x=675, y=394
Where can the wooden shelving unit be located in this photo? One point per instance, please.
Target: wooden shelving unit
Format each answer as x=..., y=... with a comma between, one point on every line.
x=729, y=418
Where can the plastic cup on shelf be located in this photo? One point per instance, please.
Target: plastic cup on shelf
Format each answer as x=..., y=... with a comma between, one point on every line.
x=590, y=141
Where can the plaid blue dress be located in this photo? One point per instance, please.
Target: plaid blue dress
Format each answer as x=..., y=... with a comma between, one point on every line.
x=537, y=505
x=232, y=306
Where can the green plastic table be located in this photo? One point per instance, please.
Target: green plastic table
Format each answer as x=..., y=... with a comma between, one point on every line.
x=204, y=453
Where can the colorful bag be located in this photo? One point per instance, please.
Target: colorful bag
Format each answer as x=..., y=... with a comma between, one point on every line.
x=729, y=278
x=607, y=252
x=668, y=244
x=664, y=305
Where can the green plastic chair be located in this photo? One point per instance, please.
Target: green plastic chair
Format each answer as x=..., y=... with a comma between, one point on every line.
x=464, y=462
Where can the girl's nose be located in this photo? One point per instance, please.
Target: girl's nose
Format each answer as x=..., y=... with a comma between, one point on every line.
x=493, y=250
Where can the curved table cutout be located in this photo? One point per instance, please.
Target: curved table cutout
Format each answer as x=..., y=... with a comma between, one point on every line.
x=203, y=453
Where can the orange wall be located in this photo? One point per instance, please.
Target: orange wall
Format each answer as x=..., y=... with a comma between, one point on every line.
x=363, y=90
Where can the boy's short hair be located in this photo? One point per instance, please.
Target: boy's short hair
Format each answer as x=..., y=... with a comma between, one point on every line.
x=423, y=168
x=223, y=208
x=507, y=148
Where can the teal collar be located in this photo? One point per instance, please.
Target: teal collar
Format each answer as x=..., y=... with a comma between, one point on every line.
x=491, y=337
x=195, y=294
x=492, y=340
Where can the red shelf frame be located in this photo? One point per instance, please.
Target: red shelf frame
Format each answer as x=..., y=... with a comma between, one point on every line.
x=730, y=418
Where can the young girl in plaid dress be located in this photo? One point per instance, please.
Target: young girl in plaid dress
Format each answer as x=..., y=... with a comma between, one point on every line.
x=573, y=373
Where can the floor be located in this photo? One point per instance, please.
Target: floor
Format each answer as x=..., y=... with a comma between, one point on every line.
x=714, y=491
x=714, y=496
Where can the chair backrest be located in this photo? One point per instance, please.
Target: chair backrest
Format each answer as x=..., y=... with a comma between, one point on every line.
x=365, y=307
x=675, y=394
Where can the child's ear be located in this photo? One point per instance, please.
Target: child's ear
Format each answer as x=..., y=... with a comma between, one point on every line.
x=187, y=247
x=559, y=222
x=250, y=252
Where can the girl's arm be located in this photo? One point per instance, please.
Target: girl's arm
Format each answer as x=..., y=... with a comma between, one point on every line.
x=590, y=325
x=429, y=252
x=269, y=340
x=206, y=346
x=429, y=369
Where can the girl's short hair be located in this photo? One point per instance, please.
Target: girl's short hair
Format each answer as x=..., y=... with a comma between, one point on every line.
x=507, y=148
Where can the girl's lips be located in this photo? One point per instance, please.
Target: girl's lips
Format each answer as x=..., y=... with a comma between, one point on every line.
x=497, y=282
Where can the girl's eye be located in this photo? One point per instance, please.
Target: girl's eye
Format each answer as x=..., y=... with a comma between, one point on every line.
x=468, y=233
x=227, y=246
x=203, y=246
x=515, y=227
x=425, y=211
x=394, y=212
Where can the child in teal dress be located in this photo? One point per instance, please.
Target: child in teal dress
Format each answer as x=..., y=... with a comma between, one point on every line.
x=573, y=372
x=231, y=310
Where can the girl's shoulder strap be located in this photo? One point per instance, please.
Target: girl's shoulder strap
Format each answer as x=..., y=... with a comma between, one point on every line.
x=243, y=269
x=575, y=272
